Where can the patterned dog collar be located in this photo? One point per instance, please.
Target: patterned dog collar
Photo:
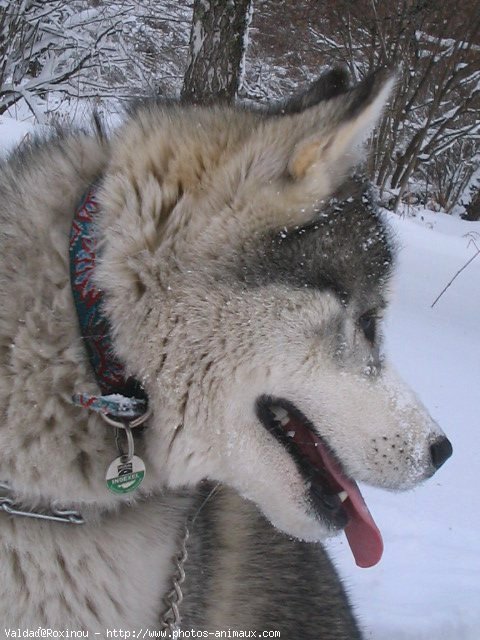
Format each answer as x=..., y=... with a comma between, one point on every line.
x=121, y=396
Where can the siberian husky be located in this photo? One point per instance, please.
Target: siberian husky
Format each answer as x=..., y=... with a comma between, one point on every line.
x=194, y=304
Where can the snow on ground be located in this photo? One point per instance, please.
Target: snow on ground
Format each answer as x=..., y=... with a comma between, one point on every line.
x=12, y=133
x=427, y=586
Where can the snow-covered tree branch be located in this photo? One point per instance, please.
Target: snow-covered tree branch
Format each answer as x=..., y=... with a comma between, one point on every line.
x=50, y=46
x=434, y=111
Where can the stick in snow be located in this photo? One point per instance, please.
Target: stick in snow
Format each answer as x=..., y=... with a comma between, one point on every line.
x=456, y=275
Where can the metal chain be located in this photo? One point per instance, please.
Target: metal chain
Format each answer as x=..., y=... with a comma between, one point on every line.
x=8, y=505
x=69, y=516
x=171, y=618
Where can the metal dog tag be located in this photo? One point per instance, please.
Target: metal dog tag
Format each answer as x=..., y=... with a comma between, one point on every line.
x=124, y=475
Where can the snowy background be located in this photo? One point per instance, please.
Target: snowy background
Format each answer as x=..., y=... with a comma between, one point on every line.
x=93, y=54
x=427, y=586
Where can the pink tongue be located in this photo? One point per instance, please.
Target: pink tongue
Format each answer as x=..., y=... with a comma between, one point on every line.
x=362, y=533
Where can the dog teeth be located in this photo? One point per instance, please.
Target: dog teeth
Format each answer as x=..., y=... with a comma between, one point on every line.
x=281, y=415
x=343, y=495
x=291, y=434
x=279, y=412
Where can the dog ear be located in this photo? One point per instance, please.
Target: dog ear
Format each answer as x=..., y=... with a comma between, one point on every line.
x=330, y=84
x=333, y=130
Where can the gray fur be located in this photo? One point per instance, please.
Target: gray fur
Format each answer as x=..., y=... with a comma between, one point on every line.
x=330, y=84
x=275, y=582
x=211, y=308
x=301, y=257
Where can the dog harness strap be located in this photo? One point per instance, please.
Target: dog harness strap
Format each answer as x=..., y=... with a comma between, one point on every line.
x=122, y=396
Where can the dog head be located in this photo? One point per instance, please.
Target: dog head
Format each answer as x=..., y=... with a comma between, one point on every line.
x=245, y=274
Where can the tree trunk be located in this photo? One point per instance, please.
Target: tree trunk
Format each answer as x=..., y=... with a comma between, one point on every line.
x=472, y=209
x=217, y=46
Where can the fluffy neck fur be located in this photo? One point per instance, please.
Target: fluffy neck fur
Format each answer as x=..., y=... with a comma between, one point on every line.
x=52, y=450
x=154, y=204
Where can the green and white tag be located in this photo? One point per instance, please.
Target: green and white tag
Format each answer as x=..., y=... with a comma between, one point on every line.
x=124, y=476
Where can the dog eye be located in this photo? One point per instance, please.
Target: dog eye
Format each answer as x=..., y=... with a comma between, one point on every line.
x=368, y=324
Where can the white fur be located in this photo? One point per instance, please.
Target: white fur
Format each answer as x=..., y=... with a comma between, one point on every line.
x=183, y=191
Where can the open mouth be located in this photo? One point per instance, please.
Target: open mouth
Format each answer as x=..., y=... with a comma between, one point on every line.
x=334, y=496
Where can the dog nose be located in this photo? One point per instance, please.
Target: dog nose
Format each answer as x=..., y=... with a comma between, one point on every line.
x=440, y=451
